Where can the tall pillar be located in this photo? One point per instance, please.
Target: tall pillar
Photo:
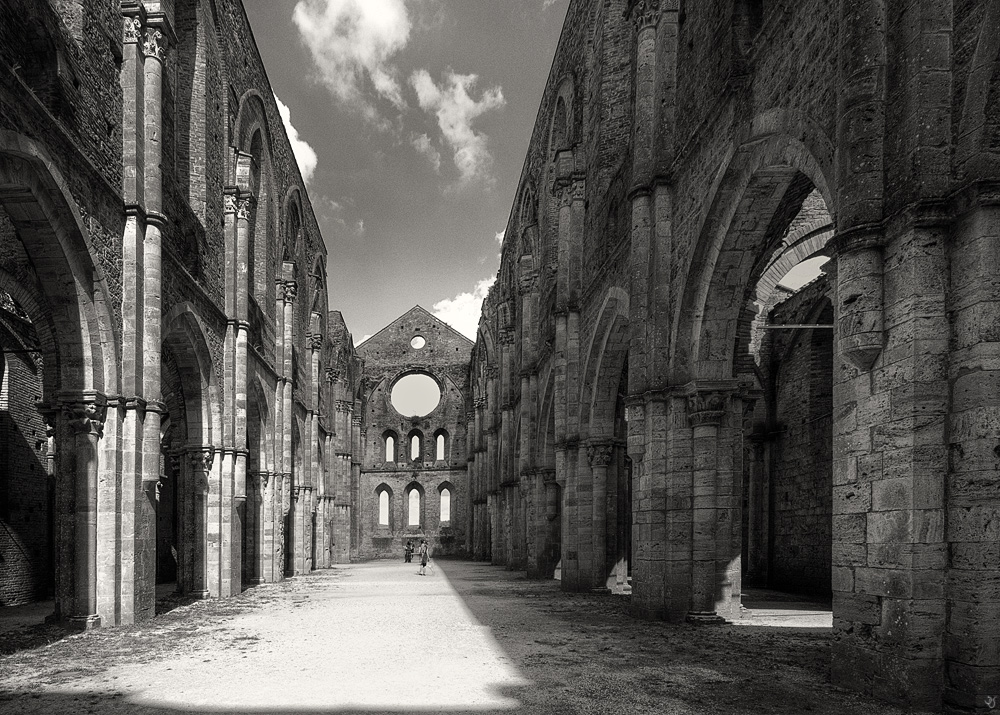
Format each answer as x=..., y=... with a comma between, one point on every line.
x=200, y=463
x=599, y=455
x=85, y=415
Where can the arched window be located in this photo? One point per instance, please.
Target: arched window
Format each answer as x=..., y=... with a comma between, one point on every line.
x=414, y=508
x=439, y=447
x=445, y=505
x=390, y=448
x=416, y=439
x=383, y=508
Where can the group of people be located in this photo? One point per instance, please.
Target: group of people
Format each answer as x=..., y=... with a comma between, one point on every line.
x=421, y=550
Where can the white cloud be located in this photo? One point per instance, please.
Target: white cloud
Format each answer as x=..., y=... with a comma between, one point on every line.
x=500, y=236
x=423, y=145
x=358, y=342
x=304, y=154
x=333, y=212
x=352, y=42
x=455, y=111
x=462, y=312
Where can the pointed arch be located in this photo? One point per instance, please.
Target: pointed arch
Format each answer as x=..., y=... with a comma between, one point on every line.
x=768, y=176
x=606, y=354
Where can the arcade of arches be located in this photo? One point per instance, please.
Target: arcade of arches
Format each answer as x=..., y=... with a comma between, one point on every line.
x=648, y=407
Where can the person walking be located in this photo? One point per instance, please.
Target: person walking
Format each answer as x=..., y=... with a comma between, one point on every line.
x=408, y=552
x=423, y=557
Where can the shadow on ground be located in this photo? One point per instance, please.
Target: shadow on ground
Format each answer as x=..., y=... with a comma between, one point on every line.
x=577, y=652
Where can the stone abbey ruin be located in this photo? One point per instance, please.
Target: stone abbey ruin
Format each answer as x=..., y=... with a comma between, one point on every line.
x=645, y=409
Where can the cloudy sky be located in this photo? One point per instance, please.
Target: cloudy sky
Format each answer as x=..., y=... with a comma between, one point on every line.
x=410, y=120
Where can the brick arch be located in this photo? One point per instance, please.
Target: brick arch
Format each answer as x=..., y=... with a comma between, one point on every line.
x=257, y=406
x=294, y=224
x=33, y=303
x=602, y=374
x=562, y=123
x=756, y=197
x=804, y=243
x=184, y=337
x=250, y=119
x=74, y=295
x=545, y=458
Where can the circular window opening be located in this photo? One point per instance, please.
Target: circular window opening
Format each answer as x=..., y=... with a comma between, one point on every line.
x=415, y=395
x=417, y=342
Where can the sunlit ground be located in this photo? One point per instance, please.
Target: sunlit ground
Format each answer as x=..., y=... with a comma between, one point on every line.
x=384, y=639
x=468, y=638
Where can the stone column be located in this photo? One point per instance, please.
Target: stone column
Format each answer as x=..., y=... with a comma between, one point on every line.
x=758, y=522
x=706, y=411
x=200, y=462
x=84, y=415
x=599, y=455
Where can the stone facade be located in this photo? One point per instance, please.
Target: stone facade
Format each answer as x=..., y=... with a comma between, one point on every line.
x=416, y=465
x=685, y=156
x=173, y=382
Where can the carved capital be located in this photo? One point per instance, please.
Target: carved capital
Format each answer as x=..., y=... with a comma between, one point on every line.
x=332, y=375
x=155, y=44
x=229, y=203
x=86, y=414
x=132, y=31
x=201, y=459
x=316, y=341
x=291, y=290
x=599, y=454
x=344, y=406
x=645, y=14
x=356, y=421
x=707, y=408
x=243, y=208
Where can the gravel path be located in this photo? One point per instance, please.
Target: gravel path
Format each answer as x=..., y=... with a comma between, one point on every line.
x=468, y=637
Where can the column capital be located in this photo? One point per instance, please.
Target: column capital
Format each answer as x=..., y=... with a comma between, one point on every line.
x=201, y=458
x=316, y=341
x=332, y=375
x=645, y=13
x=154, y=44
x=244, y=206
x=707, y=408
x=85, y=411
x=599, y=453
x=291, y=291
x=132, y=30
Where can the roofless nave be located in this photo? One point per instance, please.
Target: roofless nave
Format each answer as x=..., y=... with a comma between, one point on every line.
x=179, y=404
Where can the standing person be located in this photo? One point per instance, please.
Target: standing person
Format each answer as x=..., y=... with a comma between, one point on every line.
x=408, y=552
x=423, y=557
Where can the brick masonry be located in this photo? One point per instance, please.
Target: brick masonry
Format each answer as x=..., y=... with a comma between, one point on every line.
x=389, y=356
x=684, y=156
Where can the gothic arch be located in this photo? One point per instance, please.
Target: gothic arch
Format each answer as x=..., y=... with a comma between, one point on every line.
x=763, y=183
x=605, y=357
x=184, y=338
x=43, y=211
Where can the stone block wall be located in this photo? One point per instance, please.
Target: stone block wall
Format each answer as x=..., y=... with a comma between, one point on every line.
x=388, y=356
x=26, y=490
x=800, y=364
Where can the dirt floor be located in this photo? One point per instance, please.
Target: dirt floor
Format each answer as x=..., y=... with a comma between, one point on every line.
x=468, y=637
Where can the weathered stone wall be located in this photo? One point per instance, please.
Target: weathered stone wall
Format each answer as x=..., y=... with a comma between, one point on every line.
x=388, y=356
x=25, y=489
x=676, y=143
x=801, y=367
x=159, y=237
